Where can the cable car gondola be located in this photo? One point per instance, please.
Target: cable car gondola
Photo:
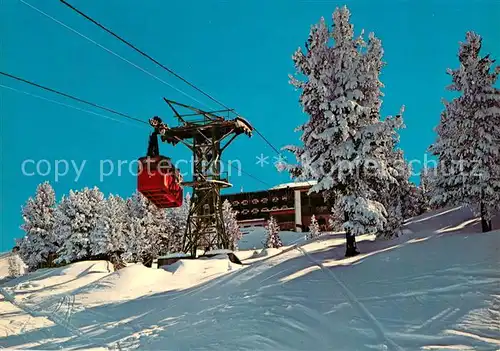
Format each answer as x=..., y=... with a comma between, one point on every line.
x=158, y=180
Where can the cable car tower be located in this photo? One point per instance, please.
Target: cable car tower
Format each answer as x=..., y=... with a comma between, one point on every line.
x=207, y=135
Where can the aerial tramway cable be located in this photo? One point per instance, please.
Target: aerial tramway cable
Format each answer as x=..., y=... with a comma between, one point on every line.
x=169, y=70
x=113, y=53
x=67, y=96
x=54, y=91
x=60, y=103
x=126, y=42
x=132, y=64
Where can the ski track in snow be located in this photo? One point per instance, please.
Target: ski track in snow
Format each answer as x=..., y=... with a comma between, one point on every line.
x=52, y=316
x=377, y=327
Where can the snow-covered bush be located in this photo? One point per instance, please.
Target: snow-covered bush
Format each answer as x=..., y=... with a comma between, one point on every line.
x=38, y=246
x=16, y=265
x=272, y=229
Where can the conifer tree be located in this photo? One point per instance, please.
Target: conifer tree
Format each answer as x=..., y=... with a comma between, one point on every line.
x=75, y=218
x=39, y=245
x=345, y=141
x=177, y=220
x=231, y=224
x=314, y=230
x=273, y=238
x=146, y=230
x=107, y=239
x=468, y=144
x=427, y=187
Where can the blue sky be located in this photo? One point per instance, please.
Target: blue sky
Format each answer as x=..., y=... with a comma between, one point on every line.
x=238, y=51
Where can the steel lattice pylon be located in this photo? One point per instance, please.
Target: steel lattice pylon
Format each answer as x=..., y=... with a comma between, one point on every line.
x=207, y=135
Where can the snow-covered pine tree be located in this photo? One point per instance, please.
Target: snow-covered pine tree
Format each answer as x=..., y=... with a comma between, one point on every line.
x=427, y=187
x=314, y=230
x=107, y=239
x=75, y=218
x=397, y=196
x=39, y=246
x=468, y=144
x=146, y=229
x=177, y=218
x=231, y=224
x=336, y=219
x=345, y=141
x=413, y=203
x=273, y=238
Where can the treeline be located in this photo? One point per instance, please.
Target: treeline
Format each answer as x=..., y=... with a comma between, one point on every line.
x=87, y=225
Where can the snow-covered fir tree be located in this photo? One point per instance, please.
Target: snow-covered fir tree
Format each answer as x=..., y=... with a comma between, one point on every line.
x=146, y=230
x=413, y=203
x=314, y=230
x=273, y=238
x=468, y=144
x=345, y=140
x=39, y=245
x=75, y=219
x=398, y=197
x=427, y=188
x=107, y=239
x=336, y=219
x=231, y=224
x=177, y=220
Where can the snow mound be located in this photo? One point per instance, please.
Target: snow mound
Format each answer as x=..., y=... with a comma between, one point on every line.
x=193, y=268
x=132, y=277
x=28, y=286
x=87, y=267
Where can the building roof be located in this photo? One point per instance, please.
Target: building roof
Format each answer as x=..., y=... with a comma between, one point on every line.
x=292, y=185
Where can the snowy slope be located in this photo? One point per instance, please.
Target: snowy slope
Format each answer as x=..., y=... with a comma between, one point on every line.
x=434, y=289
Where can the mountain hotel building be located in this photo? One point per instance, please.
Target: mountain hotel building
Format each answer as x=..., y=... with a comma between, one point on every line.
x=289, y=203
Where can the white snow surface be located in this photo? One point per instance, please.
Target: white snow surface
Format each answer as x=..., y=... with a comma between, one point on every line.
x=435, y=288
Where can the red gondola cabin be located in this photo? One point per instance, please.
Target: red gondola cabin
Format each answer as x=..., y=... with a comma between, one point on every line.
x=159, y=181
